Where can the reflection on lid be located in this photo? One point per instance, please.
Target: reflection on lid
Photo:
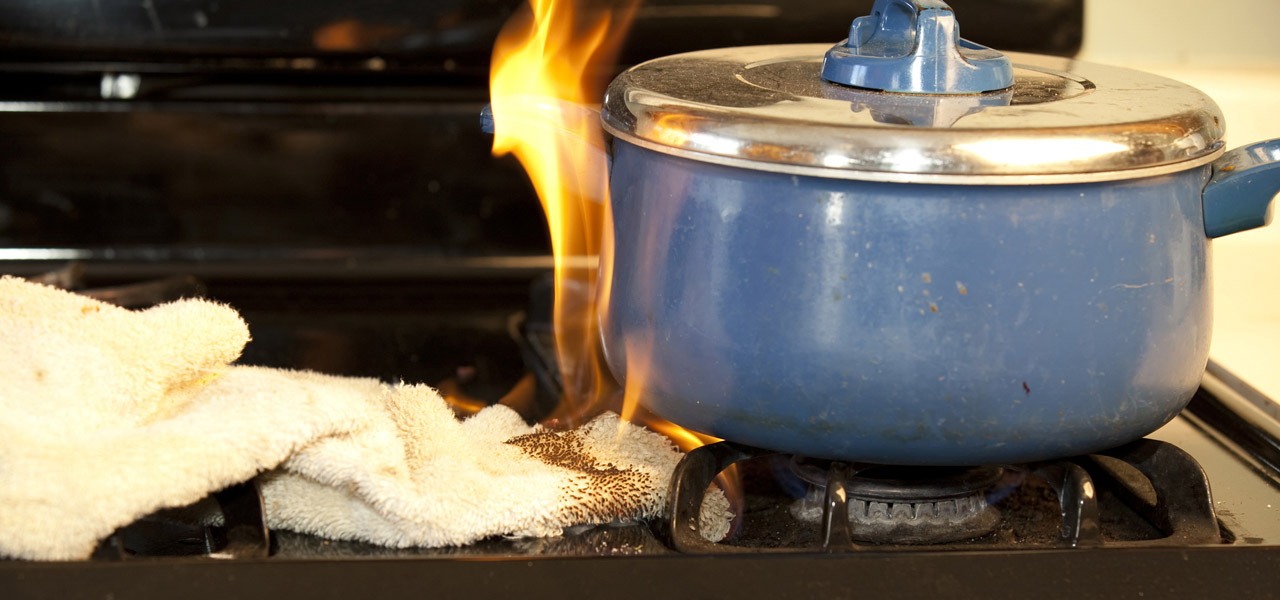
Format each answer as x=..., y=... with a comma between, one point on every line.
x=922, y=110
x=1034, y=151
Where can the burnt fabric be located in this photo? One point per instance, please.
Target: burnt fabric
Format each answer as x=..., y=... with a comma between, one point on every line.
x=108, y=415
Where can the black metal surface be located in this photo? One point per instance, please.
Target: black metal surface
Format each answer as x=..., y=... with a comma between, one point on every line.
x=837, y=536
x=1196, y=572
x=455, y=36
x=110, y=549
x=613, y=541
x=1241, y=413
x=535, y=333
x=244, y=533
x=391, y=330
x=192, y=191
x=689, y=483
x=149, y=293
x=1076, y=496
x=460, y=30
x=1183, y=505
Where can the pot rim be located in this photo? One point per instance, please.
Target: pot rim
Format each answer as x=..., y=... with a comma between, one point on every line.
x=1213, y=154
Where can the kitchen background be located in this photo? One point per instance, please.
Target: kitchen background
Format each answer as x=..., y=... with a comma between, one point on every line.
x=1230, y=52
x=323, y=197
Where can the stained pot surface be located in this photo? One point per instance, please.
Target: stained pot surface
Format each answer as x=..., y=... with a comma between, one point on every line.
x=906, y=324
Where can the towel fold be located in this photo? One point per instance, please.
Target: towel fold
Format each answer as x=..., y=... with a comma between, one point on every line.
x=107, y=415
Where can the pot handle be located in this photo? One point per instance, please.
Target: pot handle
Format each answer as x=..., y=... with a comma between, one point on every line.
x=1239, y=194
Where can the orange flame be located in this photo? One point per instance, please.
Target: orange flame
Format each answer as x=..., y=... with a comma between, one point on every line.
x=547, y=73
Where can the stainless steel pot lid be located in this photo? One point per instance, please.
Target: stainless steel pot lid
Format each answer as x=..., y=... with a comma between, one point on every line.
x=769, y=108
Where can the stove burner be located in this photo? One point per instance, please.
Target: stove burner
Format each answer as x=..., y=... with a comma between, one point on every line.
x=1181, y=509
x=905, y=505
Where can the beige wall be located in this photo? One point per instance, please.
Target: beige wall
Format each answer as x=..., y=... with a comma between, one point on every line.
x=1188, y=32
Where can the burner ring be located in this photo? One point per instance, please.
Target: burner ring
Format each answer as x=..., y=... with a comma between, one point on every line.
x=944, y=520
x=888, y=483
x=906, y=505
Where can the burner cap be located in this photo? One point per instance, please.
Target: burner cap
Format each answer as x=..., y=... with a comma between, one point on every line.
x=907, y=505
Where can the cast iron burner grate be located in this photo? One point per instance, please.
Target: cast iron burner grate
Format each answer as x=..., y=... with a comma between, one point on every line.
x=1177, y=502
x=243, y=533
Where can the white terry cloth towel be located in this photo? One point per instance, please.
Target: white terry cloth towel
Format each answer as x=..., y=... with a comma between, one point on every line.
x=107, y=415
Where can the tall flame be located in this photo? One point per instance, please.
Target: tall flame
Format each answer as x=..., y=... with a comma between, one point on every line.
x=548, y=71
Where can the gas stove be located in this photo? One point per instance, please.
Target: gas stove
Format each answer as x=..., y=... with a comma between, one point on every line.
x=343, y=199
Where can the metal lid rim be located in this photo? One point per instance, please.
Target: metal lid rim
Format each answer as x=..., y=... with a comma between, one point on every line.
x=1211, y=155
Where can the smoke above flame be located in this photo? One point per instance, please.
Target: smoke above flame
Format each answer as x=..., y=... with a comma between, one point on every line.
x=548, y=73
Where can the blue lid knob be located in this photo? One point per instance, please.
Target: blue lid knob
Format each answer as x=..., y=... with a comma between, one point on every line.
x=914, y=47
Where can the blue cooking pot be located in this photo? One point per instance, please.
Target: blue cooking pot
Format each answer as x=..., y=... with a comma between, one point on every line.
x=978, y=275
